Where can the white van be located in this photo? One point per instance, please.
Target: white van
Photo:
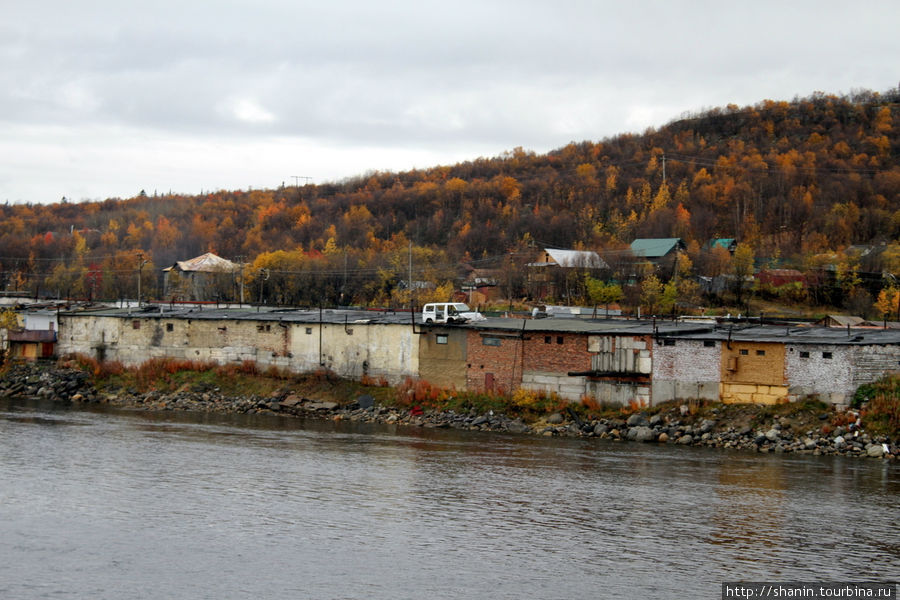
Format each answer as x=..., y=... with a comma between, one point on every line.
x=449, y=312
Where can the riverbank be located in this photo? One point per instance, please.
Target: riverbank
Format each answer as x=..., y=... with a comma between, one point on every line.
x=804, y=428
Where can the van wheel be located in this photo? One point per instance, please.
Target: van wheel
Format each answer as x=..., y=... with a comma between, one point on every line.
x=428, y=320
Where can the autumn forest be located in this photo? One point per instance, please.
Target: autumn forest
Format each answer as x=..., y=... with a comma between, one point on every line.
x=811, y=184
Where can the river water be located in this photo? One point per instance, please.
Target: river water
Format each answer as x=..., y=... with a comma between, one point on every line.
x=125, y=504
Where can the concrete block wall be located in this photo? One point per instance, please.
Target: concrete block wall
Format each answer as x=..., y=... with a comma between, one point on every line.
x=378, y=350
x=569, y=387
x=686, y=369
x=620, y=392
x=745, y=393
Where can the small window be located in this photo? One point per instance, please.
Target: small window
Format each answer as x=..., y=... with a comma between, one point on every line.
x=745, y=352
x=170, y=327
x=826, y=355
x=559, y=339
x=309, y=331
x=490, y=341
x=709, y=344
x=804, y=355
x=548, y=339
x=441, y=338
x=668, y=342
x=135, y=324
x=760, y=352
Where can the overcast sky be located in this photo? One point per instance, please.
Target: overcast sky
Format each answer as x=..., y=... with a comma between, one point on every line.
x=102, y=98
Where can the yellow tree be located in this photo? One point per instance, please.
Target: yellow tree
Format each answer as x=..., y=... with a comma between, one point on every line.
x=888, y=302
x=651, y=292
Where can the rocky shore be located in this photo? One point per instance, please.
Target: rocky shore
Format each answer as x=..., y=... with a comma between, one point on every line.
x=723, y=427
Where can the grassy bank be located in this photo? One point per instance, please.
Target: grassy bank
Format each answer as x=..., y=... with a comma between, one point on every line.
x=877, y=405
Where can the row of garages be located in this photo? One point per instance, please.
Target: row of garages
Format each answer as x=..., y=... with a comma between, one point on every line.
x=624, y=361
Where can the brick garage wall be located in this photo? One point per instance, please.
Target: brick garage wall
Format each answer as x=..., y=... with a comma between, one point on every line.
x=559, y=353
x=809, y=371
x=543, y=359
x=501, y=363
x=871, y=363
x=686, y=370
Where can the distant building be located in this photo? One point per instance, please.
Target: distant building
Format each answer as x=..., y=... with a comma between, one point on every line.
x=206, y=277
x=780, y=277
x=37, y=339
x=660, y=252
x=729, y=244
x=541, y=275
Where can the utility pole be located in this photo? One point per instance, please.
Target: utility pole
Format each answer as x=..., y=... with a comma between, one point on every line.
x=140, y=271
x=297, y=179
x=241, y=264
x=664, y=167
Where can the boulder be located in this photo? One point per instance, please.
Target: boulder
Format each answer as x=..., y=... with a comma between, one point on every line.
x=637, y=420
x=641, y=434
x=875, y=451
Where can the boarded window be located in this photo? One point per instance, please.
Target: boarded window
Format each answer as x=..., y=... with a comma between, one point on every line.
x=135, y=324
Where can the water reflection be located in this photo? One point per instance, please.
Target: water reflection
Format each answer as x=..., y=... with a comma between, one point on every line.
x=125, y=502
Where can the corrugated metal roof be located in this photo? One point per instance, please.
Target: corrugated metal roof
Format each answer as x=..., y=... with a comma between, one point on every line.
x=576, y=258
x=613, y=327
x=654, y=247
x=205, y=263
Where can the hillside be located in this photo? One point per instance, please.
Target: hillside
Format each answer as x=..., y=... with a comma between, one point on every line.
x=793, y=181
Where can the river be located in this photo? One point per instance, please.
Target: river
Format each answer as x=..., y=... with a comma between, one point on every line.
x=102, y=503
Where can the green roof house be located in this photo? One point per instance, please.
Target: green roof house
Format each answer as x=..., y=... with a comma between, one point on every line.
x=729, y=244
x=656, y=249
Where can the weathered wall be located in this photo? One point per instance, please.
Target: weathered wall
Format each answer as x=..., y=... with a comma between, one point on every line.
x=870, y=363
x=553, y=352
x=497, y=367
x=686, y=369
x=443, y=364
x=624, y=393
x=569, y=387
x=621, y=354
x=379, y=350
x=810, y=371
x=753, y=372
x=373, y=349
